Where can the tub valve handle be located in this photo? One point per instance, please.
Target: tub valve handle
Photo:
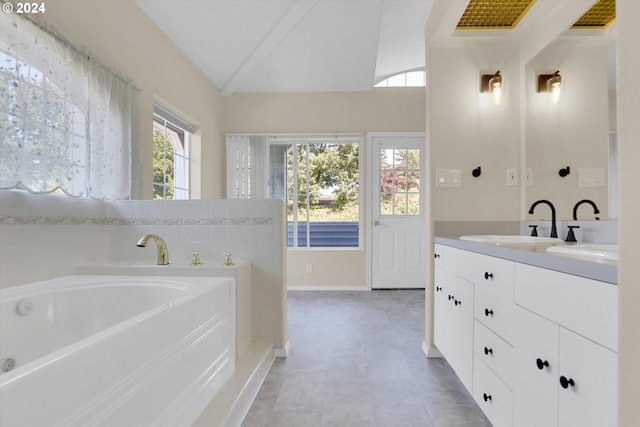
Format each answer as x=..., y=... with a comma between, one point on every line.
x=227, y=259
x=196, y=259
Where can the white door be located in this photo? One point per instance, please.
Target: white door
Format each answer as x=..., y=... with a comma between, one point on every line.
x=397, y=226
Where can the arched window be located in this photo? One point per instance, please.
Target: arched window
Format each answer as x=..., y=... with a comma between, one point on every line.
x=408, y=79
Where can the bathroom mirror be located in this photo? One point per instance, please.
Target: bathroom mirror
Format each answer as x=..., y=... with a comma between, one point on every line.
x=568, y=140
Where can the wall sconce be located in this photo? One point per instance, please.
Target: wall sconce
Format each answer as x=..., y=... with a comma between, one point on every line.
x=476, y=172
x=550, y=83
x=564, y=171
x=492, y=83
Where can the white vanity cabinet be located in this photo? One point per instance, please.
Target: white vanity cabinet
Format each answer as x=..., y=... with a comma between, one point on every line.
x=493, y=335
x=567, y=360
x=453, y=310
x=539, y=348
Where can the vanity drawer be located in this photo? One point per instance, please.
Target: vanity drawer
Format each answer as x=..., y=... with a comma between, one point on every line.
x=585, y=306
x=492, y=395
x=495, y=352
x=459, y=261
x=493, y=299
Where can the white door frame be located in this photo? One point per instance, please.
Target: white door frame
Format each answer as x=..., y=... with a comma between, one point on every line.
x=372, y=186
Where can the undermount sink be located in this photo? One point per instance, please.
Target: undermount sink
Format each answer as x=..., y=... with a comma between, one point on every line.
x=506, y=239
x=589, y=251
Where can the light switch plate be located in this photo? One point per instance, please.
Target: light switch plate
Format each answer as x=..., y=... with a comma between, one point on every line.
x=449, y=178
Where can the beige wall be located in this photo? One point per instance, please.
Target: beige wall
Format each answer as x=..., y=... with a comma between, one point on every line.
x=467, y=130
x=380, y=110
x=572, y=132
x=119, y=34
x=628, y=112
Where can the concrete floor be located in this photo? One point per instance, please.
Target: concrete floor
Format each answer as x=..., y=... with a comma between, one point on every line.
x=356, y=360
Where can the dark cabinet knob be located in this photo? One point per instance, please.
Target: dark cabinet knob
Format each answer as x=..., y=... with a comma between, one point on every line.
x=438, y=288
x=436, y=255
x=457, y=302
x=488, y=275
x=486, y=397
x=542, y=364
x=450, y=297
x=488, y=312
x=488, y=351
x=566, y=382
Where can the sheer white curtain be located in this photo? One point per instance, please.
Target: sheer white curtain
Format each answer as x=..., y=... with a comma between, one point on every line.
x=65, y=120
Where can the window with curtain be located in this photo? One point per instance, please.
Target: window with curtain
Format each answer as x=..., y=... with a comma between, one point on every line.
x=171, y=142
x=65, y=119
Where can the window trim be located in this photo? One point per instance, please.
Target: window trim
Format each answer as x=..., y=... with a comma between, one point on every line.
x=164, y=120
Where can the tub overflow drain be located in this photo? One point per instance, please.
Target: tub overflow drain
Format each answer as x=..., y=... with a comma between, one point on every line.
x=24, y=307
x=8, y=364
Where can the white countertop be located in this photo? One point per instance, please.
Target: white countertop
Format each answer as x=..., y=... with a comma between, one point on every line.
x=604, y=272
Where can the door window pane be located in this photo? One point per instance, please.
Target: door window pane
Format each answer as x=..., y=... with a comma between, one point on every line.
x=399, y=181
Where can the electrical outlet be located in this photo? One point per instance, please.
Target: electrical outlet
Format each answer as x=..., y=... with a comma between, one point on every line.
x=308, y=268
x=512, y=176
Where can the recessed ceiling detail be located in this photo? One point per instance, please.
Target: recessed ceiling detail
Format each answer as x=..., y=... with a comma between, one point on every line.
x=493, y=14
x=601, y=14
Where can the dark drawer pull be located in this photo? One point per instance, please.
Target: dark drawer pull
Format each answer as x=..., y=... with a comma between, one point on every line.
x=488, y=351
x=566, y=382
x=450, y=297
x=438, y=288
x=457, y=302
x=436, y=255
x=488, y=312
x=486, y=397
x=488, y=275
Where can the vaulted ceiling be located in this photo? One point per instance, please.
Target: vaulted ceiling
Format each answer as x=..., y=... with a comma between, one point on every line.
x=349, y=45
x=295, y=45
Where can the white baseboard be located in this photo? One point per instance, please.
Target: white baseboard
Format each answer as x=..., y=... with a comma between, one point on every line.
x=431, y=352
x=282, y=352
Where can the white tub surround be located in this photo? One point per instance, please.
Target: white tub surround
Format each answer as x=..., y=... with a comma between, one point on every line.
x=116, y=350
x=44, y=237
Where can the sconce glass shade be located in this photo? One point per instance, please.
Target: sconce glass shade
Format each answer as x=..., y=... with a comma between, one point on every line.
x=550, y=83
x=492, y=83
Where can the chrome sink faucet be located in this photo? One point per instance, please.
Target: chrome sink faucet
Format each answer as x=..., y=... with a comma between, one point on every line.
x=554, y=231
x=163, y=252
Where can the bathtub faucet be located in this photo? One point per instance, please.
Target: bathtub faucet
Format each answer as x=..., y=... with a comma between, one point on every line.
x=163, y=252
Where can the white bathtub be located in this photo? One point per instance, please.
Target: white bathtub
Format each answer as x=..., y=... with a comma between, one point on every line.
x=115, y=350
